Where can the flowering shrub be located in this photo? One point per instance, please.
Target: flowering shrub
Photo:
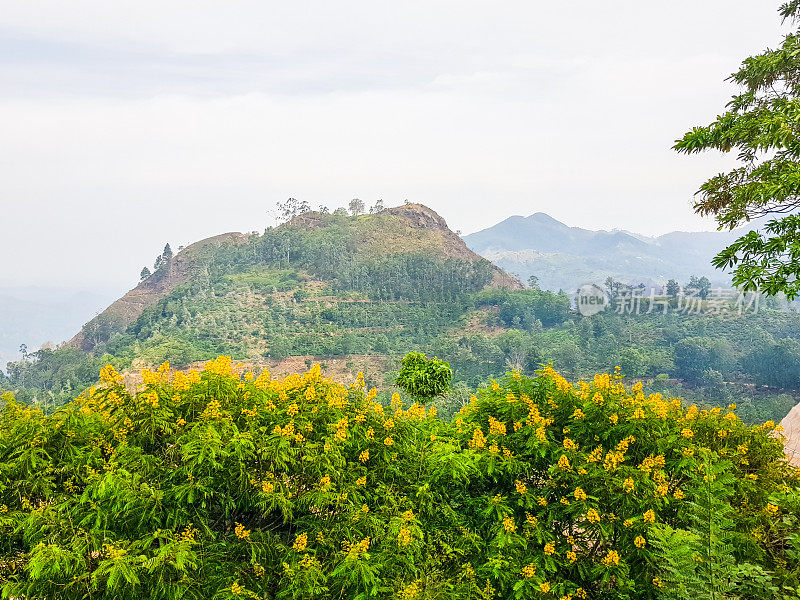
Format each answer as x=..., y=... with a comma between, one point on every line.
x=217, y=485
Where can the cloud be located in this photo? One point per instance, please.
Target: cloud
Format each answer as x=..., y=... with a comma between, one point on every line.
x=129, y=124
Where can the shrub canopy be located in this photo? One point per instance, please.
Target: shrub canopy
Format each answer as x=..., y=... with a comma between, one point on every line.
x=218, y=485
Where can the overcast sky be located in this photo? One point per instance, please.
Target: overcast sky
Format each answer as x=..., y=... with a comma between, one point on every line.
x=127, y=124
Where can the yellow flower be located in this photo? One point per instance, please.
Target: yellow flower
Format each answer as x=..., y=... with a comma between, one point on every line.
x=404, y=537
x=364, y=456
x=550, y=548
x=650, y=516
x=541, y=434
x=569, y=444
x=578, y=414
x=389, y=424
x=628, y=485
x=687, y=433
x=388, y=441
x=596, y=455
x=679, y=495
x=361, y=480
x=108, y=374
x=592, y=516
x=771, y=509
x=241, y=532
x=300, y=542
x=478, y=440
x=579, y=494
x=521, y=487
x=657, y=582
x=612, y=558
x=544, y=587
x=325, y=482
x=496, y=427
x=571, y=556
x=529, y=571
x=639, y=542
x=509, y=525
x=563, y=463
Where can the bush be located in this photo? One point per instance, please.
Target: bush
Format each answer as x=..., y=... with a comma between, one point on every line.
x=217, y=485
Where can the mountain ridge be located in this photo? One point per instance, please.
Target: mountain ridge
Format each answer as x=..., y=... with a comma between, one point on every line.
x=565, y=257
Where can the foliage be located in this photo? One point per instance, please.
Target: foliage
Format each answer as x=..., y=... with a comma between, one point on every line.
x=344, y=286
x=424, y=378
x=760, y=124
x=215, y=484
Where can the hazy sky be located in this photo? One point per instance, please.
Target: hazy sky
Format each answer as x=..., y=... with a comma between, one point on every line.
x=127, y=124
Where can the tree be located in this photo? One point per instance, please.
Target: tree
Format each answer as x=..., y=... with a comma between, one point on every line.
x=533, y=282
x=214, y=485
x=144, y=274
x=292, y=207
x=672, y=288
x=761, y=124
x=693, y=355
x=356, y=207
x=423, y=377
x=167, y=254
x=376, y=208
x=701, y=285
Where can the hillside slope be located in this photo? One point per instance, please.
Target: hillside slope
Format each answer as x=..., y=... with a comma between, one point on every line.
x=321, y=285
x=123, y=311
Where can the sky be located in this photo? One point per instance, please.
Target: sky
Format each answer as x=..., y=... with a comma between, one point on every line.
x=125, y=125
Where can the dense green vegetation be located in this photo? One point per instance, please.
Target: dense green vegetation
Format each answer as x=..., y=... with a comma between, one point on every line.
x=323, y=290
x=263, y=314
x=219, y=484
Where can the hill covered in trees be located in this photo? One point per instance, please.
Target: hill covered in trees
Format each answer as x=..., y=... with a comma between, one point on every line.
x=356, y=292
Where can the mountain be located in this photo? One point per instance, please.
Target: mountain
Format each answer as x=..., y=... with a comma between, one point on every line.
x=316, y=251
x=564, y=257
x=351, y=290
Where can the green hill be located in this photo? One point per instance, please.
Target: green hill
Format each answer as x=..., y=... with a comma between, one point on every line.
x=356, y=293
x=322, y=285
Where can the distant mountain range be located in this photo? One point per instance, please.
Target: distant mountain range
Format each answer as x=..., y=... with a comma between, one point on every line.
x=565, y=257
